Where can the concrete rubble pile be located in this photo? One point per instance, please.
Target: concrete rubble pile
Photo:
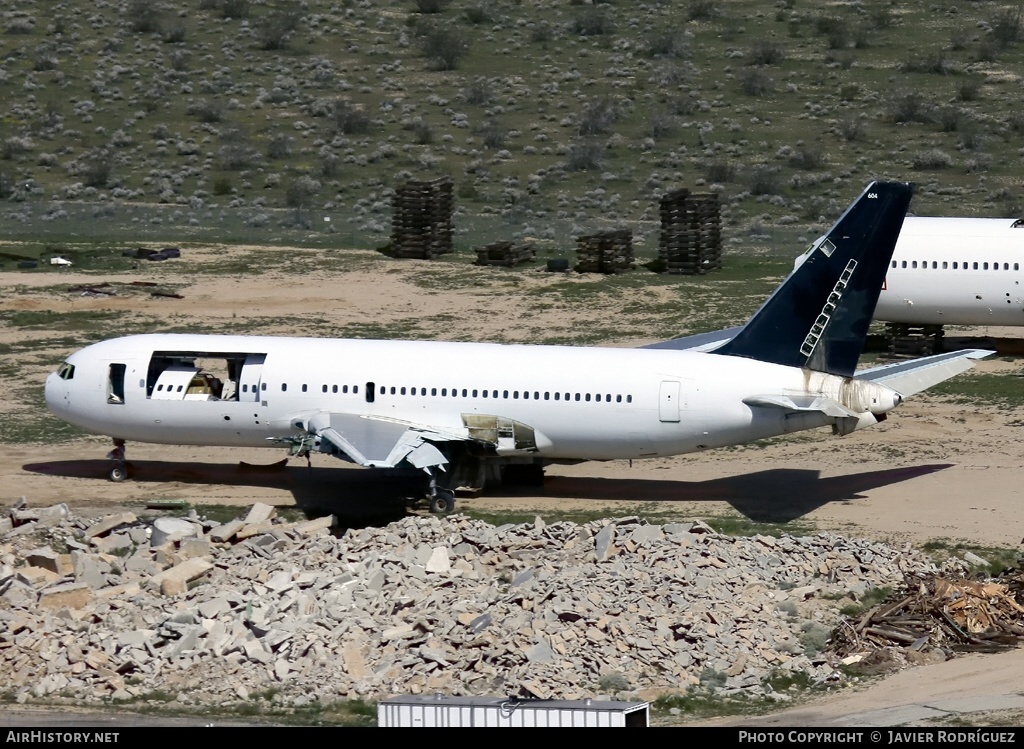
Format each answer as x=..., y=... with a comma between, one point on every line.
x=120, y=607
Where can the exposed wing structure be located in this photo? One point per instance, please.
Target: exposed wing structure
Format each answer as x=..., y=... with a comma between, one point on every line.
x=380, y=443
x=912, y=377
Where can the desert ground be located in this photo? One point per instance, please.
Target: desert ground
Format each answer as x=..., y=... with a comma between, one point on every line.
x=937, y=469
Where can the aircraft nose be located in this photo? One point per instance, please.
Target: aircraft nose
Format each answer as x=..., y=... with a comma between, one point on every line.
x=55, y=393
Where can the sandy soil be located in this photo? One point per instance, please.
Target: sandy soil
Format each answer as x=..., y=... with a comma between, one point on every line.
x=934, y=470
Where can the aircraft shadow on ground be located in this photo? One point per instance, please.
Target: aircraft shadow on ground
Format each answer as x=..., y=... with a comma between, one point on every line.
x=364, y=494
x=775, y=495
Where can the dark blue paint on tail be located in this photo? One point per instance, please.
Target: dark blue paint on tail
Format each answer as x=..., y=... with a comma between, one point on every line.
x=819, y=317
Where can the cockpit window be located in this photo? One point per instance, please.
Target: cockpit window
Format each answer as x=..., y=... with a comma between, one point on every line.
x=66, y=371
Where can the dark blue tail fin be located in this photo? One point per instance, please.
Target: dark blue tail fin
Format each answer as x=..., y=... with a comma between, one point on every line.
x=818, y=318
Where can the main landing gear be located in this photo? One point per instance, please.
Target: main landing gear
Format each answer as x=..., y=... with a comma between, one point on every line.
x=441, y=498
x=442, y=501
x=118, y=470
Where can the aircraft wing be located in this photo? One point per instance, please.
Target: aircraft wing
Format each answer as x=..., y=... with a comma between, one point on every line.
x=911, y=377
x=380, y=443
x=699, y=342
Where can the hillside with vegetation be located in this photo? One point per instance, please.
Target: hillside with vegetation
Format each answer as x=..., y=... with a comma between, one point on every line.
x=252, y=118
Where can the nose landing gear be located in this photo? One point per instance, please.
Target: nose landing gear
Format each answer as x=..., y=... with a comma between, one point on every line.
x=118, y=470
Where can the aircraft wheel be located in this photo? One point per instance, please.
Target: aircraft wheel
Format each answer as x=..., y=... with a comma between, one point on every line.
x=118, y=472
x=442, y=502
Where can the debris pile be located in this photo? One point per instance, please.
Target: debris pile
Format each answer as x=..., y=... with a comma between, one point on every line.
x=691, y=233
x=939, y=611
x=605, y=252
x=422, y=219
x=146, y=253
x=107, y=289
x=126, y=608
x=505, y=253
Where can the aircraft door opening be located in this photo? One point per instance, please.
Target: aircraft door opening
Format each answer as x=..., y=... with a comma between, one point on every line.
x=668, y=401
x=115, y=383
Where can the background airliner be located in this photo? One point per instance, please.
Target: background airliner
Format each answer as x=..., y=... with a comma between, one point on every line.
x=462, y=412
x=954, y=271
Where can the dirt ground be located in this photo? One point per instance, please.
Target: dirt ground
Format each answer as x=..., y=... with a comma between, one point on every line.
x=935, y=470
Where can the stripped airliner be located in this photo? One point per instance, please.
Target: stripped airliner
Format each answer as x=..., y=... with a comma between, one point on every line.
x=478, y=408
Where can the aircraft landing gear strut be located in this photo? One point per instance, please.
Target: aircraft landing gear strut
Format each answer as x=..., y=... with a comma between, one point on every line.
x=441, y=498
x=118, y=470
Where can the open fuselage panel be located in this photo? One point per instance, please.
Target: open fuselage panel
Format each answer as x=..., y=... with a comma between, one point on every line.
x=204, y=375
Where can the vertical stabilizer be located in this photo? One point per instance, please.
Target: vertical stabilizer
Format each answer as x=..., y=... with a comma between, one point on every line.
x=819, y=317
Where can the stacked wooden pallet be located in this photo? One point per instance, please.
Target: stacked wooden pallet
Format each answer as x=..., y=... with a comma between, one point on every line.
x=605, y=252
x=422, y=219
x=505, y=253
x=911, y=341
x=691, y=233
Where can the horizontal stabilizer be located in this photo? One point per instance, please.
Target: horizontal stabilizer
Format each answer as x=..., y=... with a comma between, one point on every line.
x=912, y=377
x=797, y=403
x=698, y=342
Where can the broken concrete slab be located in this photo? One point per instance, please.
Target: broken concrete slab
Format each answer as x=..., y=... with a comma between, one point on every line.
x=108, y=524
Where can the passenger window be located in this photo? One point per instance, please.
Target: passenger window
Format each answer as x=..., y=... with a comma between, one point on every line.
x=893, y=263
x=984, y=266
x=975, y=266
x=547, y=395
x=618, y=399
x=444, y=391
x=557, y=396
x=263, y=387
x=504, y=394
x=433, y=391
x=393, y=389
x=284, y=386
x=304, y=388
x=494, y=393
x=587, y=397
x=474, y=393
x=904, y=263
x=536, y=395
x=515, y=394
x=629, y=399
x=577, y=396
x=334, y=388
x=484, y=393
x=325, y=388
x=945, y=265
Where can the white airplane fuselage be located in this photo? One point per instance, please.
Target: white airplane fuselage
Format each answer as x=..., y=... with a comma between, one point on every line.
x=955, y=271
x=579, y=403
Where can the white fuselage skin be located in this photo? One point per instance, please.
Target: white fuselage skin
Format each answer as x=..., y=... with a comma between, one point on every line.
x=955, y=271
x=611, y=403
